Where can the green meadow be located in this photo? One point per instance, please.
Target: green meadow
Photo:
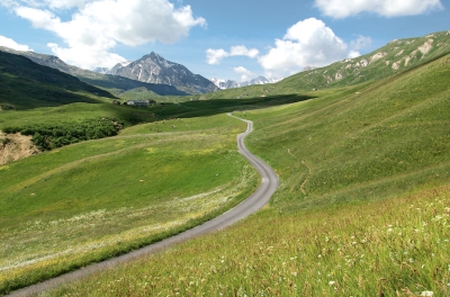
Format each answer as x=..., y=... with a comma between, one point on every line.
x=86, y=202
x=362, y=208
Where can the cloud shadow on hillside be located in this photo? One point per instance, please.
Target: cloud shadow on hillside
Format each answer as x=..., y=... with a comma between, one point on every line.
x=201, y=108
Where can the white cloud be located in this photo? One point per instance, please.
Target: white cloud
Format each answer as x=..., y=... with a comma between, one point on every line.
x=85, y=57
x=240, y=50
x=244, y=73
x=97, y=26
x=8, y=42
x=307, y=43
x=353, y=54
x=361, y=42
x=64, y=4
x=387, y=8
x=215, y=56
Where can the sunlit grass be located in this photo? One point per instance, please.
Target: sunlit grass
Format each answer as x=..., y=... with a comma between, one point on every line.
x=381, y=140
x=91, y=201
x=397, y=247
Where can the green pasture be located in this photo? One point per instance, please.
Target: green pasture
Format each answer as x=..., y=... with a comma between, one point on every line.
x=395, y=247
x=362, y=209
x=82, y=203
x=387, y=138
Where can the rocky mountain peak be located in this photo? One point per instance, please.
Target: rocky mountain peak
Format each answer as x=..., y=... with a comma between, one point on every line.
x=153, y=68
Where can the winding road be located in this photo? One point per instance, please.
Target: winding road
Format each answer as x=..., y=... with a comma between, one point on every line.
x=269, y=184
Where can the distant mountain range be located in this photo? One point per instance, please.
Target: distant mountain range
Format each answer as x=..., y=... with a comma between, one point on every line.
x=151, y=72
x=107, y=81
x=162, y=77
x=230, y=84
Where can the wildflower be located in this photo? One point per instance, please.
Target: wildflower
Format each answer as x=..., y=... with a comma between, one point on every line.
x=427, y=294
x=331, y=283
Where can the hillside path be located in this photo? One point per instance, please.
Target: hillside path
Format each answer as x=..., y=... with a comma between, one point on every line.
x=269, y=184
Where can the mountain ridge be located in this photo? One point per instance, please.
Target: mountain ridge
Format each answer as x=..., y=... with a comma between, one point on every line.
x=396, y=56
x=95, y=78
x=230, y=84
x=153, y=68
x=25, y=84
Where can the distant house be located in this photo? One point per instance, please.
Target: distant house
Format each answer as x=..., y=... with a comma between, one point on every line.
x=140, y=103
x=137, y=103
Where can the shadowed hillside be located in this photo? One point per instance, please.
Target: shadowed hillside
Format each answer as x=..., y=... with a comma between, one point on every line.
x=25, y=84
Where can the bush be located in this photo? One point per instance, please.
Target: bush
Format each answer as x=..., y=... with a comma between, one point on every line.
x=11, y=130
x=47, y=137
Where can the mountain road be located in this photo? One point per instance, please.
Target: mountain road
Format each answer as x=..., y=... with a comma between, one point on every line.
x=269, y=184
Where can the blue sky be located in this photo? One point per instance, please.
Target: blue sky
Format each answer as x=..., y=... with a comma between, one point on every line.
x=230, y=39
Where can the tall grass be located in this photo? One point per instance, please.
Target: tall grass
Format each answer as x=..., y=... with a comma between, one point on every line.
x=396, y=247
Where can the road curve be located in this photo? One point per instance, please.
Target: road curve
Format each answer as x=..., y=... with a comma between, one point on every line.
x=269, y=183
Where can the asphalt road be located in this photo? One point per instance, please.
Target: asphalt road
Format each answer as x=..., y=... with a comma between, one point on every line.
x=269, y=184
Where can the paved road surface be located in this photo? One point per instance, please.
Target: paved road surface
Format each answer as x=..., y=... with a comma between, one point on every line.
x=269, y=183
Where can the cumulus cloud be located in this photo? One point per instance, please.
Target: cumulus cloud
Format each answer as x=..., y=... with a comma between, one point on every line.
x=387, y=8
x=97, y=26
x=215, y=56
x=307, y=43
x=244, y=73
x=8, y=42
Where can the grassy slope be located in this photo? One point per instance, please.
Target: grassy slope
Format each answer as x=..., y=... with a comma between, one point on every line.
x=362, y=209
x=383, y=139
x=25, y=84
x=393, y=58
x=90, y=201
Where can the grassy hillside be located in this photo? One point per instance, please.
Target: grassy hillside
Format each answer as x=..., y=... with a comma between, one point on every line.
x=91, y=201
x=395, y=57
x=362, y=209
x=383, y=139
x=25, y=84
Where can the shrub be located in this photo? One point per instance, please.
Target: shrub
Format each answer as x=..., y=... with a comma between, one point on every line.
x=47, y=137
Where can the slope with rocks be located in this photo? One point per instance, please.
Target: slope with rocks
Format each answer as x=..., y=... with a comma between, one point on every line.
x=397, y=56
x=14, y=147
x=155, y=69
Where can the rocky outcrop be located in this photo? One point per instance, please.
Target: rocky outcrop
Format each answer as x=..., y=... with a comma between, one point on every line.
x=395, y=56
x=155, y=69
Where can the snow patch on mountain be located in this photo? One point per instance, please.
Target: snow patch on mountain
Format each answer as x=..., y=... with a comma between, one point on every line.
x=230, y=84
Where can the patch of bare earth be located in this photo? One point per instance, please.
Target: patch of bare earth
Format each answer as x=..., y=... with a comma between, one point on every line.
x=14, y=147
